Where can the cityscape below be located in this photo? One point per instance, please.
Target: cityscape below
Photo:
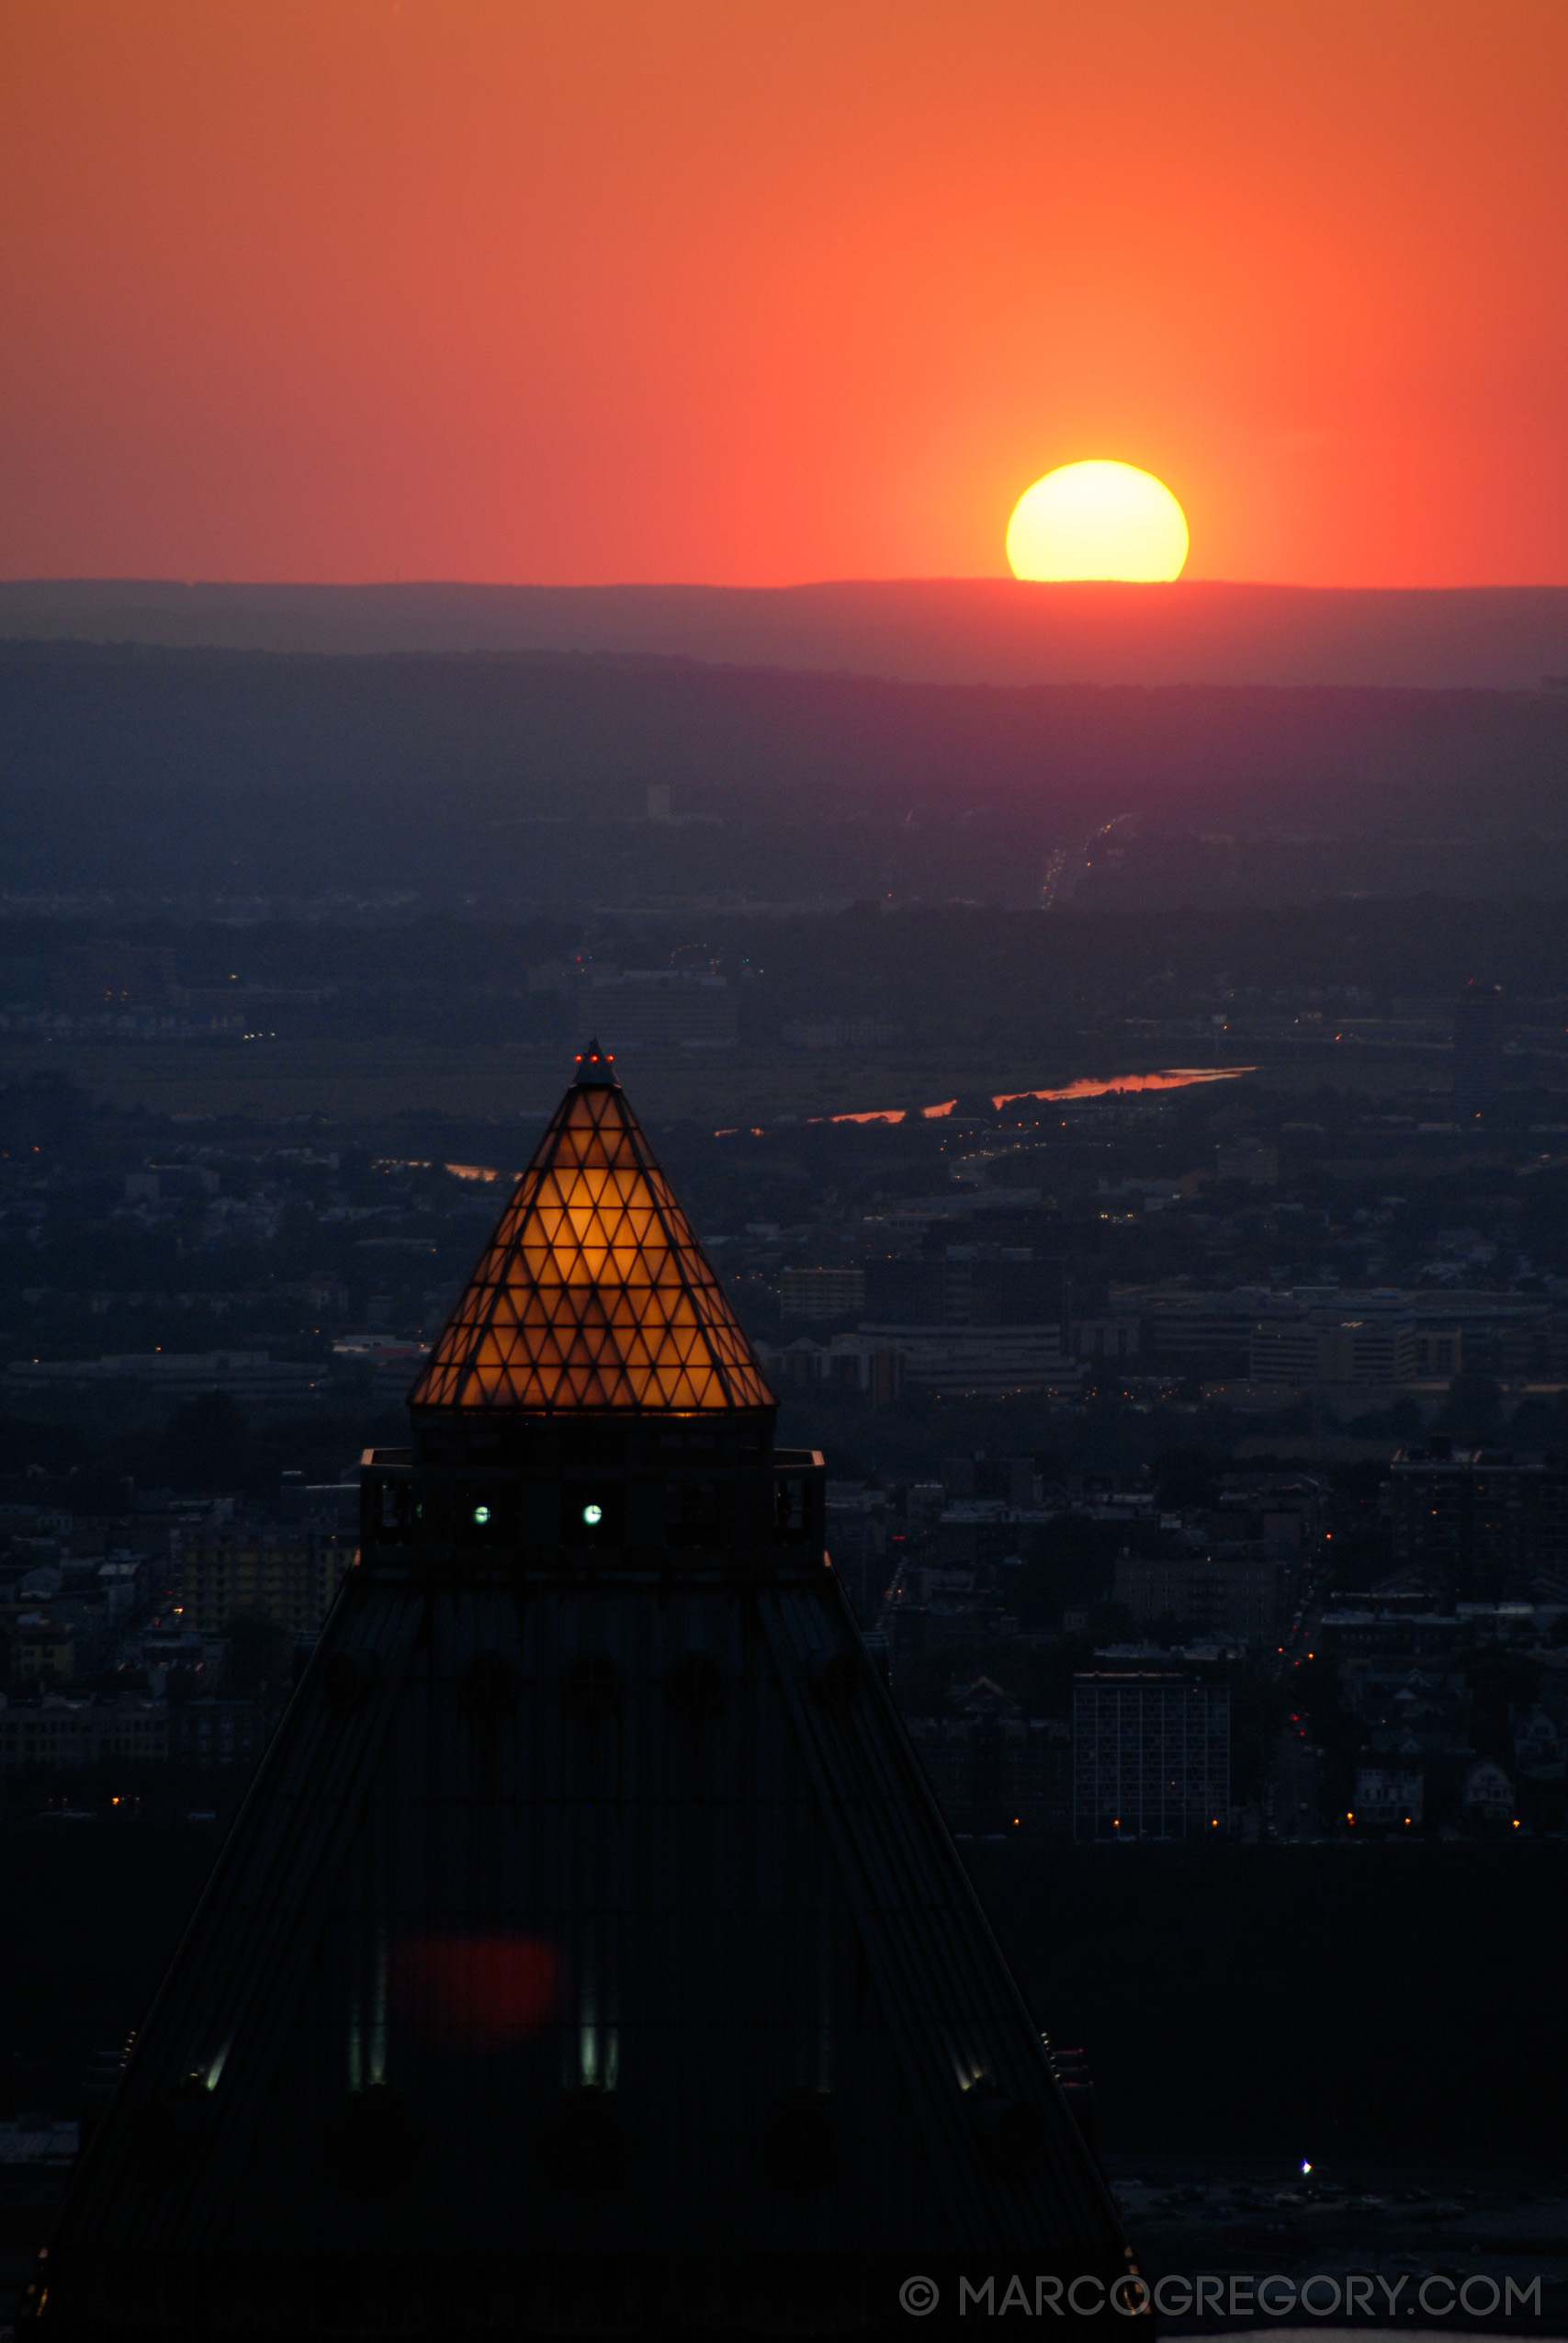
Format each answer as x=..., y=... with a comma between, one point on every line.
x=1196, y=1467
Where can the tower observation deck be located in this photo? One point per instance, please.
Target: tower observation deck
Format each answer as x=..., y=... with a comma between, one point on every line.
x=590, y=1955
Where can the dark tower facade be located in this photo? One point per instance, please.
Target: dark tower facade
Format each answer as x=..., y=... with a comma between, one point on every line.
x=590, y=1955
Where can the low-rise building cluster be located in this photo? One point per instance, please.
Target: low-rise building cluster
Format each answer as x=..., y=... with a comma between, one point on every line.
x=168, y=1637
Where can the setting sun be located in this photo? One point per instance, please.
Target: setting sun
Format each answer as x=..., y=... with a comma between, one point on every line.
x=1097, y=520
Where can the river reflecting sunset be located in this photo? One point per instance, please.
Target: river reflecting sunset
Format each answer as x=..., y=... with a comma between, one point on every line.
x=1089, y=1086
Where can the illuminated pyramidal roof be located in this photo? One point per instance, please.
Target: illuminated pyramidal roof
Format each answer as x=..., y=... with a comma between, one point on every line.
x=593, y=1293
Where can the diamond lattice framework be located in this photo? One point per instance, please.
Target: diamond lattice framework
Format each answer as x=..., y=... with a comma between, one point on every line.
x=593, y=1293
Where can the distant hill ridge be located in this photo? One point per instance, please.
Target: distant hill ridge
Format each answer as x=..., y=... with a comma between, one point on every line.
x=974, y=631
x=549, y=779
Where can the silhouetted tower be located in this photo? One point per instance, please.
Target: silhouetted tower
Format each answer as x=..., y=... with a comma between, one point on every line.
x=1478, y=1048
x=590, y=1954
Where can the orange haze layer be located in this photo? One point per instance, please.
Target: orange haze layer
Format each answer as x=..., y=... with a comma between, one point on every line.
x=504, y=289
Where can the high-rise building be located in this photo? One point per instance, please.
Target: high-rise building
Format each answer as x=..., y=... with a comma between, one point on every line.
x=113, y=974
x=1151, y=1757
x=964, y=1285
x=1234, y=1595
x=816, y=1295
x=1478, y=1048
x=662, y=1008
x=982, y=1320
x=591, y=1954
x=1000, y=1775
x=288, y=1575
x=1247, y=1159
x=1325, y=1347
x=1475, y=1524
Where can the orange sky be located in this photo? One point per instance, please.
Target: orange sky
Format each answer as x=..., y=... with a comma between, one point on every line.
x=761, y=291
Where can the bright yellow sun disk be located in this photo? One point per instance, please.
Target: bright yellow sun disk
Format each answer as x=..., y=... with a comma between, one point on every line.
x=1097, y=520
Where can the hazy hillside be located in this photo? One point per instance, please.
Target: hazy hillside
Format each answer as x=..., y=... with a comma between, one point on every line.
x=524, y=779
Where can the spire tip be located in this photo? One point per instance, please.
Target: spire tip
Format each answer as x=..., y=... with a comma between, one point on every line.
x=596, y=1068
